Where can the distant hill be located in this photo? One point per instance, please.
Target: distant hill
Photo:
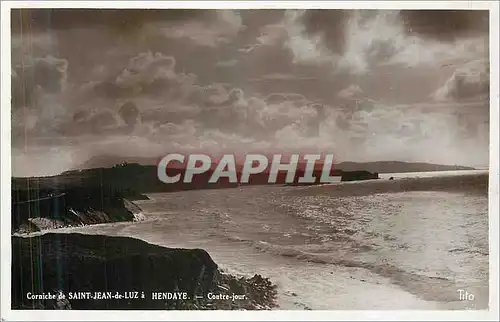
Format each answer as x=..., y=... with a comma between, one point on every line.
x=108, y=161
x=397, y=167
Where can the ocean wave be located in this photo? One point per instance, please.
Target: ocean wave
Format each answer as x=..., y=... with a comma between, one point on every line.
x=417, y=284
x=469, y=251
x=232, y=238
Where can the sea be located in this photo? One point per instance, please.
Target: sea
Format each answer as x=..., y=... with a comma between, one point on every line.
x=329, y=251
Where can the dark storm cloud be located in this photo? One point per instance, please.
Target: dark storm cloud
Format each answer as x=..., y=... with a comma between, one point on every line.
x=47, y=74
x=359, y=40
x=119, y=19
x=446, y=25
x=329, y=24
x=259, y=18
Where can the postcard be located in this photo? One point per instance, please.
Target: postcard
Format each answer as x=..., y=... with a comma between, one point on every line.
x=258, y=160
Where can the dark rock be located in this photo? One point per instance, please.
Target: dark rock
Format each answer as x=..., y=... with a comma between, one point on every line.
x=94, y=263
x=36, y=208
x=358, y=175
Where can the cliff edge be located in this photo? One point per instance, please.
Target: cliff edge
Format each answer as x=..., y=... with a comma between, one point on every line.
x=145, y=275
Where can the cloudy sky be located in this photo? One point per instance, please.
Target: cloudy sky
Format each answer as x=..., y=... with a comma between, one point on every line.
x=363, y=85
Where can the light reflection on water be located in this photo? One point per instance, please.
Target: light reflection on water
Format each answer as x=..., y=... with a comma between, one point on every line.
x=410, y=249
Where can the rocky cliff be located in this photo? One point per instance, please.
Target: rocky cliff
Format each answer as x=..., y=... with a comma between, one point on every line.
x=136, y=274
x=38, y=208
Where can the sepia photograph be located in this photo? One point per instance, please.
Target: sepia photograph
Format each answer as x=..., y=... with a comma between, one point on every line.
x=249, y=159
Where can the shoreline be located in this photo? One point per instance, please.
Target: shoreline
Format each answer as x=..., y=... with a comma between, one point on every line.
x=149, y=276
x=46, y=234
x=288, y=297
x=343, y=288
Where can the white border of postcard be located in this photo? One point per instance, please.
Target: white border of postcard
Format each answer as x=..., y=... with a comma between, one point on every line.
x=130, y=315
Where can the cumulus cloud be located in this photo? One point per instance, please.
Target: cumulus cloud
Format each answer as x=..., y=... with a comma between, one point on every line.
x=226, y=119
x=154, y=87
x=226, y=25
x=150, y=99
x=392, y=132
x=306, y=49
x=147, y=74
x=351, y=91
x=469, y=81
x=268, y=36
x=216, y=102
x=282, y=110
x=357, y=41
x=145, y=69
x=150, y=83
x=282, y=77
